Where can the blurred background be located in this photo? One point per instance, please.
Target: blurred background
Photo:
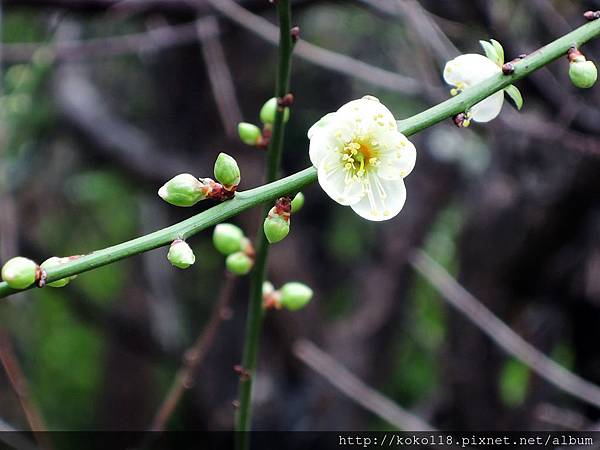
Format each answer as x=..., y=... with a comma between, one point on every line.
x=104, y=100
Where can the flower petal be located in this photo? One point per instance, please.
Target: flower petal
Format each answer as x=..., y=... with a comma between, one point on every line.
x=384, y=200
x=469, y=70
x=332, y=178
x=488, y=109
x=321, y=123
x=397, y=156
x=366, y=115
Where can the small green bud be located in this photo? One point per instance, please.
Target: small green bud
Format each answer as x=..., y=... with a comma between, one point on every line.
x=249, y=133
x=181, y=254
x=268, y=111
x=19, y=272
x=295, y=296
x=298, y=202
x=227, y=171
x=583, y=74
x=239, y=263
x=276, y=228
x=228, y=239
x=182, y=190
x=53, y=262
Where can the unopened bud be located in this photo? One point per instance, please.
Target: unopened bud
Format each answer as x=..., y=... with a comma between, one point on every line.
x=181, y=254
x=19, y=272
x=239, y=263
x=295, y=296
x=53, y=262
x=249, y=133
x=583, y=74
x=267, y=288
x=227, y=171
x=276, y=228
x=182, y=190
x=297, y=202
x=269, y=110
x=228, y=239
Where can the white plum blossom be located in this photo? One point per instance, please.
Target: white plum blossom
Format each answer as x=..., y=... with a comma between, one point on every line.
x=466, y=71
x=362, y=158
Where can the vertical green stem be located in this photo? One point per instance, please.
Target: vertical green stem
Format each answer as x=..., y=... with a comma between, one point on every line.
x=255, y=311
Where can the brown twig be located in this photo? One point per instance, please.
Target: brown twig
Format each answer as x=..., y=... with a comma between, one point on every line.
x=502, y=334
x=344, y=381
x=20, y=386
x=193, y=357
x=219, y=74
x=318, y=55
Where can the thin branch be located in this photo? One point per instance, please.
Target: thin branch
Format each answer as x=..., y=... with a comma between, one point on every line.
x=260, y=195
x=502, y=334
x=10, y=436
x=20, y=386
x=154, y=40
x=193, y=357
x=255, y=307
x=219, y=74
x=318, y=55
x=345, y=382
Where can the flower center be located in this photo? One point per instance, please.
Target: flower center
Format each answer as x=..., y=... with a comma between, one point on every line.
x=358, y=158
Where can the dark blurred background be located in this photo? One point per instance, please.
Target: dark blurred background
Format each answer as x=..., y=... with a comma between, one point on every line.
x=104, y=100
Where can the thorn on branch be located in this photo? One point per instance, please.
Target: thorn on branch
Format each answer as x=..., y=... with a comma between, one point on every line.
x=591, y=15
x=509, y=67
x=573, y=54
x=40, y=277
x=295, y=34
x=243, y=373
x=286, y=101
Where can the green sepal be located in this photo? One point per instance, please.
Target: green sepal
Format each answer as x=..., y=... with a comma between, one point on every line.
x=515, y=95
x=499, y=50
x=491, y=52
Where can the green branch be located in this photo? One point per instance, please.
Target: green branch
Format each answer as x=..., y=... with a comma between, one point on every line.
x=255, y=308
x=248, y=199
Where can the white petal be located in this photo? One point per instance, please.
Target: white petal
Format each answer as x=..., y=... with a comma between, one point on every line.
x=397, y=156
x=366, y=115
x=384, y=201
x=332, y=178
x=321, y=123
x=488, y=109
x=469, y=70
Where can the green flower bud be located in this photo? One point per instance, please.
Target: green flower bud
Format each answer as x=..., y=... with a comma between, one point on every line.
x=249, y=133
x=228, y=239
x=276, y=228
x=19, y=272
x=239, y=263
x=297, y=202
x=295, y=296
x=181, y=254
x=53, y=262
x=227, y=171
x=182, y=190
x=583, y=74
x=268, y=111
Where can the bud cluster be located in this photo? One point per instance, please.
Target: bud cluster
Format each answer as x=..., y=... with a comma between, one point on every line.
x=20, y=272
x=254, y=136
x=292, y=296
x=277, y=223
x=231, y=242
x=186, y=190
